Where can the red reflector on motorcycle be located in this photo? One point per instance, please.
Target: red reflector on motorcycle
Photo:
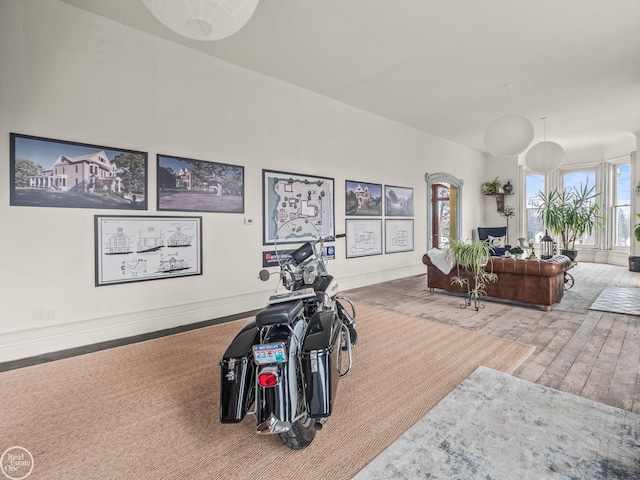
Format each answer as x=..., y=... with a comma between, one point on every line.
x=268, y=379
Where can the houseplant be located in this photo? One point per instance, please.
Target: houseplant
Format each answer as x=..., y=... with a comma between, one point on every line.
x=492, y=187
x=516, y=252
x=569, y=214
x=470, y=260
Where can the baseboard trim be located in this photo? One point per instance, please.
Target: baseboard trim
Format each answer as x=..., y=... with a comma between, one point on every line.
x=82, y=336
x=32, y=342
x=73, y=352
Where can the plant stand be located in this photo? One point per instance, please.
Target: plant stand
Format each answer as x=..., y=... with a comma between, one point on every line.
x=469, y=297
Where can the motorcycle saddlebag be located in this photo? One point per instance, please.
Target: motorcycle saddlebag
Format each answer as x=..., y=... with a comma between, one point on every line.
x=237, y=376
x=319, y=364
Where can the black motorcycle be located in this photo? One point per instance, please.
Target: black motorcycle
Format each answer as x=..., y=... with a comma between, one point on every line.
x=286, y=363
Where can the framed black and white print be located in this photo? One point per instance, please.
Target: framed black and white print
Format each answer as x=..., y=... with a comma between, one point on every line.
x=363, y=237
x=296, y=207
x=398, y=201
x=363, y=198
x=56, y=173
x=136, y=248
x=398, y=235
x=189, y=185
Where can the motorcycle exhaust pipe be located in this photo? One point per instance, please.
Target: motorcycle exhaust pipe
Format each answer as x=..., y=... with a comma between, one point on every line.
x=319, y=423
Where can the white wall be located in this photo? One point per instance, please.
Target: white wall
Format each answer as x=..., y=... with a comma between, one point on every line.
x=503, y=168
x=71, y=75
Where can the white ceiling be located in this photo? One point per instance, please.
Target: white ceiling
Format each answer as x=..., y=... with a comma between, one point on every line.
x=441, y=66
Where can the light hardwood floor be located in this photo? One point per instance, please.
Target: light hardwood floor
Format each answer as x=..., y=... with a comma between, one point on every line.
x=585, y=352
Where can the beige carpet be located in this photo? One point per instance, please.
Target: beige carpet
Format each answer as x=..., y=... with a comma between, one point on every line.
x=150, y=410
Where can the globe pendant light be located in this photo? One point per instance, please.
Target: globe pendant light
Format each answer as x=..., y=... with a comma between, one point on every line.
x=544, y=157
x=509, y=135
x=205, y=20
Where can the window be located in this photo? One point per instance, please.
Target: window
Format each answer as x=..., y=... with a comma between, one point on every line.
x=440, y=215
x=535, y=227
x=621, y=208
x=612, y=182
x=578, y=179
x=444, y=200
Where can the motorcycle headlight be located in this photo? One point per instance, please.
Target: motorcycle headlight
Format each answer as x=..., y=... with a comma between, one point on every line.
x=309, y=275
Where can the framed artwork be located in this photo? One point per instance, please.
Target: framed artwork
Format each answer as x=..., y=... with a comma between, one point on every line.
x=189, y=185
x=363, y=237
x=363, y=199
x=398, y=235
x=136, y=248
x=398, y=201
x=296, y=207
x=56, y=173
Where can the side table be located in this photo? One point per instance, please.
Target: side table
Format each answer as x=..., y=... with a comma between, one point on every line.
x=568, y=278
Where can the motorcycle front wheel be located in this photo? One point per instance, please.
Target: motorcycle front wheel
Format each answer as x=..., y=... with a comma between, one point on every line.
x=303, y=430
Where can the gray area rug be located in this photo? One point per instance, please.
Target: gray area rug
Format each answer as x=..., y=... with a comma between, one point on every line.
x=579, y=298
x=495, y=426
x=618, y=300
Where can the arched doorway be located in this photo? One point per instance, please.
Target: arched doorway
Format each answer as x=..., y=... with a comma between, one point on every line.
x=443, y=209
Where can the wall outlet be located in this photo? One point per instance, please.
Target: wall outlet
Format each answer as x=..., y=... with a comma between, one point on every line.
x=248, y=221
x=48, y=314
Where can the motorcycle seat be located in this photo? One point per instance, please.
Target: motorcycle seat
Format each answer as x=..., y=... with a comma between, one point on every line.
x=279, y=313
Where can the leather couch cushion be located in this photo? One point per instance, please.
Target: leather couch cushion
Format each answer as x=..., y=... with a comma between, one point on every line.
x=541, y=268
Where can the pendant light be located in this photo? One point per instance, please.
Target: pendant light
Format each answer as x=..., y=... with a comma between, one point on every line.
x=205, y=20
x=509, y=135
x=544, y=157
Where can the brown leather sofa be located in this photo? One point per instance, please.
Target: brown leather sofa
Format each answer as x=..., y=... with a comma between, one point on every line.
x=539, y=282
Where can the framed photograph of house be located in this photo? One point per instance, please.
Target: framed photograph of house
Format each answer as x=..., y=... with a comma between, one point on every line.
x=398, y=201
x=398, y=235
x=363, y=199
x=296, y=207
x=56, y=173
x=189, y=185
x=363, y=237
x=136, y=248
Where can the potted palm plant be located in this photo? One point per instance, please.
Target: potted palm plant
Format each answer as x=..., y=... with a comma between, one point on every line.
x=569, y=214
x=470, y=260
x=634, y=261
